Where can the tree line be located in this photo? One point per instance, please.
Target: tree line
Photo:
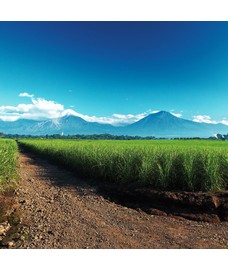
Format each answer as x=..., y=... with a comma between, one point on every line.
x=106, y=137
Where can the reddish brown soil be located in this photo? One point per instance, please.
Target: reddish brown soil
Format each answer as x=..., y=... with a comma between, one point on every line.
x=58, y=210
x=199, y=206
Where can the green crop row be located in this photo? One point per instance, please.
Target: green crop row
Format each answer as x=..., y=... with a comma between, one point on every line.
x=165, y=165
x=8, y=163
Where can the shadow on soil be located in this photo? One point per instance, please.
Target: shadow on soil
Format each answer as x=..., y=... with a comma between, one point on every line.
x=196, y=206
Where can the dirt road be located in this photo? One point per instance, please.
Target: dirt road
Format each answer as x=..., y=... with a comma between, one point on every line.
x=62, y=211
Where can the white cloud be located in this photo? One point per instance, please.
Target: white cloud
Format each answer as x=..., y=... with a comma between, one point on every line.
x=207, y=119
x=224, y=122
x=38, y=109
x=26, y=95
x=202, y=119
x=42, y=109
x=115, y=119
x=9, y=118
x=177, y=114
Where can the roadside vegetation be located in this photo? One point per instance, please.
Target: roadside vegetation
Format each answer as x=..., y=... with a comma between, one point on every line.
x=8, y=163
x=195, y=165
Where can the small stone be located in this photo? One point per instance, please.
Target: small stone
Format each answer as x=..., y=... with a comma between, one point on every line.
x=15, y=206
x=51, y=201
x=216, y=201
x=4, y=227
x=22, y=238
x=22, y=201
x=2, y=230
x=10, y=244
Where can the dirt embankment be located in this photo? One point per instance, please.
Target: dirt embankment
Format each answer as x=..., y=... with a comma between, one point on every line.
x=197, y=206
x=58, y=210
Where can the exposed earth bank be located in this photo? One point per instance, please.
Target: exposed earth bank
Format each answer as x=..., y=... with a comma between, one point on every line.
x=55, y=209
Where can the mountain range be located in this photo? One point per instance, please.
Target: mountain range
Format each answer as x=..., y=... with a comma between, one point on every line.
x=161, y=124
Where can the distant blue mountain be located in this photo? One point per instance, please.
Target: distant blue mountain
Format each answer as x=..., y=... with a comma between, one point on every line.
x=68, y=125
x=164, y=124
x=161, y=124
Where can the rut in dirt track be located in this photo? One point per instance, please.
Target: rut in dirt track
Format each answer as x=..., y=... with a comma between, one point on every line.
x=62, y=211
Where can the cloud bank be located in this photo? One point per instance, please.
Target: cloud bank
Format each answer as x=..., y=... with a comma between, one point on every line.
x=42, y=109
x=38, y=109
x=207, y=119
x=115, y=119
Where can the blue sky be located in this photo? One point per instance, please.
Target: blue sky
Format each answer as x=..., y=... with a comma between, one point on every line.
x=114, y=71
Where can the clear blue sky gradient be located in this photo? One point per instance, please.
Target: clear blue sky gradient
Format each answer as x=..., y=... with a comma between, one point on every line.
x=103, y=68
